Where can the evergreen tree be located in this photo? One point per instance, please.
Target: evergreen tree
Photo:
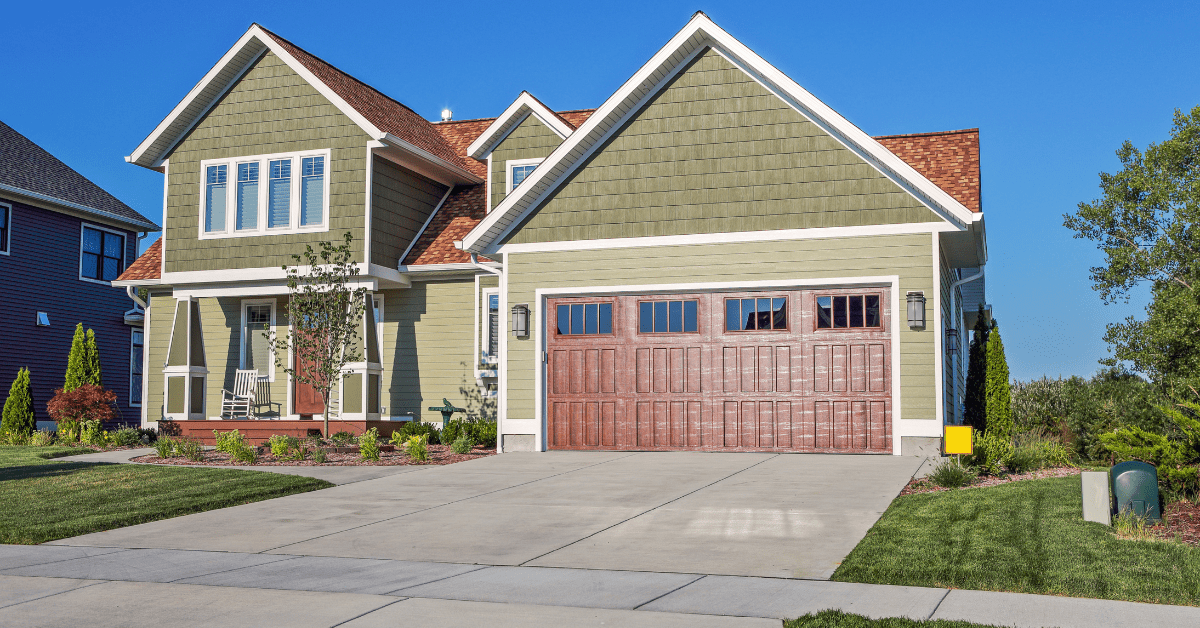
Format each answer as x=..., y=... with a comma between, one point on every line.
x=92, y=375
x=975, y=398
x=77, y=361
x=998, y=390
x=18, y=408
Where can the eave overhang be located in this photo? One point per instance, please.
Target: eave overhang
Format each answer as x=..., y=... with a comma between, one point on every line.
x=524, y=106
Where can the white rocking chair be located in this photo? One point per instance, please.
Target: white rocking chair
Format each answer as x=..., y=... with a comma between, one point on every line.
x=240, y=401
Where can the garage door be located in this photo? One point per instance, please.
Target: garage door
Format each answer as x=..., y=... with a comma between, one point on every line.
x=797, y=370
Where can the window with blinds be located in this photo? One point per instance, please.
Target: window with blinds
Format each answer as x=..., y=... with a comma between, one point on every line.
x=256, y=349
x=493, y=345
x=294, y=198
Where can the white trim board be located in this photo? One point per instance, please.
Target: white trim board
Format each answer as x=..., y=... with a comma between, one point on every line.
x=517, y=163
x=701, y=34
x=726, y=238
x=524, y=106
x=900, y=427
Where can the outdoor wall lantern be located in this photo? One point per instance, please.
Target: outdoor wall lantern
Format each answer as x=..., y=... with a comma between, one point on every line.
x=916, y=309
x=952, y=341
x=520, y=320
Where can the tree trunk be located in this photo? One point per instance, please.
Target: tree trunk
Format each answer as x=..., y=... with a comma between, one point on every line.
x=325, y=412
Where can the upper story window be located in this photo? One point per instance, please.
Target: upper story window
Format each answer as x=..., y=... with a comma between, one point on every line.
x=519, y=170
x=102, y=255
x=758, y=314
x=664, y=317
x=845, y=312
x=5, y=219
x=265, y=194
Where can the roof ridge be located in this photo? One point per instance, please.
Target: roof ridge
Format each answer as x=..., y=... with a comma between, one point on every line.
x=927, y=133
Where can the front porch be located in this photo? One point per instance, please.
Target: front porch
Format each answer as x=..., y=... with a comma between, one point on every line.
x=258, y=431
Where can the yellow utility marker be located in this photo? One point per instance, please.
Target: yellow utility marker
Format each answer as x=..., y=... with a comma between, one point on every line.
x=957, y=440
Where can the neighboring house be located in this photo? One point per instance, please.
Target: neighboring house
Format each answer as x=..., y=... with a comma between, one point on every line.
x=63, y=240
x=711, y=259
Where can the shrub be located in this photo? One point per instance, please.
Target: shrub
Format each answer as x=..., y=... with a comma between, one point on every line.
x=416, y=428
x=227, y=442
x=85, y=403
x=998, y=389
x=416, y=448
x=319, y=456
x=368, y=445
x=1040, y=404
x=1035, y=450
x=341, y=439
x=41, y=438
x=463, y=444
x=1179, y=482
x=243, y=452
x=453, y=429
x=190, y=449
x=18, y=414
x=93, y=434
x=284, y=446
x=68, y=431
x=950, y=473
x=485, y=432
x=991, y=451
x=165, y=447
x=127, y=436
x=15, y=438
x=147, y=435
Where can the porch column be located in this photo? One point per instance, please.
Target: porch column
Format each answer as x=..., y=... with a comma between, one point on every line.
x=186, y=371
x=361, y=384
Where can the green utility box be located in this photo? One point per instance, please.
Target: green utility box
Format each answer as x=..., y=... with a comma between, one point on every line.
x=1135, y=488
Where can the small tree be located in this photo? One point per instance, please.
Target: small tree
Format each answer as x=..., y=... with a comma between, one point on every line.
x=975, y=397
x=18, y=408
x=86, y=403
x=324, y=313
x=999, y=392
x=77, y=361
x=92, y=361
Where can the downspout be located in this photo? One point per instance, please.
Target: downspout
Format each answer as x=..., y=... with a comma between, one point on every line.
x=954, y=308
x=132, y=292
x=499, y=272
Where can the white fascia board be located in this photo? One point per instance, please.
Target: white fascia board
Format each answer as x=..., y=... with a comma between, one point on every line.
x=525, y=104
x=426, y=269
x=725, y=238
x=367, y=272
x=254, y=289
x=700, y=33
x=135, y=282
x=458, y=173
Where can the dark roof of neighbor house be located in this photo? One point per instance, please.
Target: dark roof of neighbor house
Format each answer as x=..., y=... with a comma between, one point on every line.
x=147, y=266
x=29, y=168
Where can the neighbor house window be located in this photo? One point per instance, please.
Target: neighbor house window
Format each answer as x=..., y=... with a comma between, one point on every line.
x=757, y=314
x=257, y=319
x=845, y=312
x=661, y=317
x=5, y=219
x=519, y=170
x=293, y=197
x=585, y=319
x=103, y=254
x=136, y=351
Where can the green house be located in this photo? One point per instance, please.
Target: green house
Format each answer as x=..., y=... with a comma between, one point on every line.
x=712, y=259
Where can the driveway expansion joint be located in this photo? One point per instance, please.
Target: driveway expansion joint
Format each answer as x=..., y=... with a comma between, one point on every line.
x=678, y=588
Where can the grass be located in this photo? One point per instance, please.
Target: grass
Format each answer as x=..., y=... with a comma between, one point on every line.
x=838, y=619
x=46, y=500
x=1027, y=537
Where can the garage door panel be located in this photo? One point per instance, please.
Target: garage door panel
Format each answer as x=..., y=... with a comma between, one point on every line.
x=787, y=388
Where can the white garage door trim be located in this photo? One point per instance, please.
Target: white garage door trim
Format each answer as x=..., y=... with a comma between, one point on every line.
x=900, y=426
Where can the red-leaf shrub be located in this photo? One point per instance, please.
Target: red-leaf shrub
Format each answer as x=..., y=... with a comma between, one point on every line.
x=86, y=403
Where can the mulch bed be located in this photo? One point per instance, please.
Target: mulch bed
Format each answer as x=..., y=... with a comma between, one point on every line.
x=438, y=455
x=1181, y=523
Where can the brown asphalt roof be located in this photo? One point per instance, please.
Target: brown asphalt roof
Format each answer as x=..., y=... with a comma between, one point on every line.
x=950, y=159
x=147, y=266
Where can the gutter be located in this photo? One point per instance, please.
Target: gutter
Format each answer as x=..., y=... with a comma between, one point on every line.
x=147, y=226
x=498, y=270
x=954, y=363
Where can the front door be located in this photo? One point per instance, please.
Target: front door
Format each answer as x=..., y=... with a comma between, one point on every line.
x=307, y=399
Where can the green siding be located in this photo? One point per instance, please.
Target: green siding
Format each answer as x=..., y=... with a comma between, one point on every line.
x=908, y=256
x=401, y=201
x=428, y=346
x=271, y=110
x=715, y=152
x=352, y=394
x=531, y=139
x=158, y=336
x=178, y=355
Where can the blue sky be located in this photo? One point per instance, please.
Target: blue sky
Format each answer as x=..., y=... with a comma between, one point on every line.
x=1054, y=88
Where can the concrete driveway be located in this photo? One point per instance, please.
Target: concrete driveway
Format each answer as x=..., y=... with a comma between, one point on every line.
x=786, y=515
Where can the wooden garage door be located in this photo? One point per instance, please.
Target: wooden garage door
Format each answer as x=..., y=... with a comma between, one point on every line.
x=795, y=370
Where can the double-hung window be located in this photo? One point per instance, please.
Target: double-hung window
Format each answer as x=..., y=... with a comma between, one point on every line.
x=102, y=255
x=5, y=220
x=136, y=349
x=265, y=194
x=257, y=319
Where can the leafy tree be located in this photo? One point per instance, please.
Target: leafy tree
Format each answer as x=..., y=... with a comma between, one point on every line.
x=18, y=415
x=998, y=389
x=1146, y=225
x=975, y=400
x=324, y=314
x=88, y=402
x=92, y=360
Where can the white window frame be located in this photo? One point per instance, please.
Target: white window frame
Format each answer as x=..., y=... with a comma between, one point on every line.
x=136, y=402
x=485, y=337
x=124, y=245
x=514, y=163
x=6, y=245
x=378, y=298
x=264, y=180
x=246, y=303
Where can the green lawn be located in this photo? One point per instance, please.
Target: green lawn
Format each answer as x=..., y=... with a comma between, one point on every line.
x=838, y=619
x=44, y=500
x=1025, y=536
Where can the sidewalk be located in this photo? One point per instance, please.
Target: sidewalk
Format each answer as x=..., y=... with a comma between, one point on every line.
x=68, y=585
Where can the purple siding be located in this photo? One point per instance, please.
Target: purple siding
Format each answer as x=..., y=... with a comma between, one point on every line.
x=42, y=270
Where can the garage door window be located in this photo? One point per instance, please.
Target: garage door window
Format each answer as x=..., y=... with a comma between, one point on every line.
x=846, y=312
x=585, y=319
x=667, y=317
x=769, y=314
